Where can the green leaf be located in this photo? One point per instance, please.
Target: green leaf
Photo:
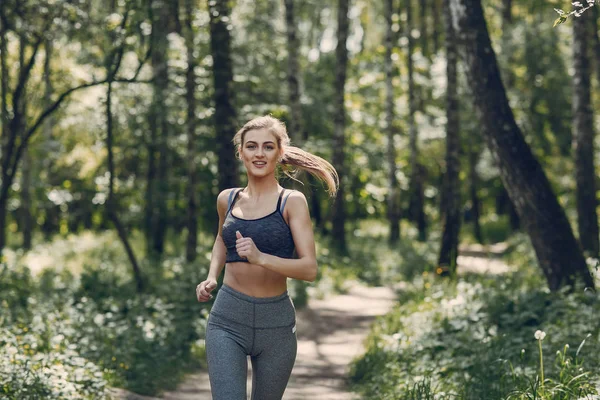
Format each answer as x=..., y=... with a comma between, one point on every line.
x=559, y=20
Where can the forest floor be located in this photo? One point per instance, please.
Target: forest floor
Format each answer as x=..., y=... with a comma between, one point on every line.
x=330, y=335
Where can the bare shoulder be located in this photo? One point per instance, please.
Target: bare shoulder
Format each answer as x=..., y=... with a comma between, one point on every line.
x=223, y=199
x=296, y=204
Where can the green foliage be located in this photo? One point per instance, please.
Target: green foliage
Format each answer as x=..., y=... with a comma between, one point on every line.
x=68, y=336
x=474, y=339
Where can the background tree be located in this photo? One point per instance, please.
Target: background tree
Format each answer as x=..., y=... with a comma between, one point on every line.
x=583, y=138
x=191, y=122
x=417, y=170
x=225, y=114
x=338, y=231
x=393, y=191
x=451, y=216
x=543, y=218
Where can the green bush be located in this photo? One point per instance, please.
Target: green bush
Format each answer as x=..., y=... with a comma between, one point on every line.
x=67, y=336
x=474, y=339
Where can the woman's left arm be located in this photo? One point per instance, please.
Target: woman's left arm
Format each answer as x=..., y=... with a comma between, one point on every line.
x=305, y=266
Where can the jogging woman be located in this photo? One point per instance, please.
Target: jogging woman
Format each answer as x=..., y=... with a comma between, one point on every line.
x=265, y=237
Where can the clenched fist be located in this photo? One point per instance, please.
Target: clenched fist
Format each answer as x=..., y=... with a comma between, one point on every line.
x=246, y=248
x=204, y=288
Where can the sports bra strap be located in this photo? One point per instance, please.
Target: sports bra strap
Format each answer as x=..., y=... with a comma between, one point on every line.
x=279, y=199
x=232, y=197
x=284, y=201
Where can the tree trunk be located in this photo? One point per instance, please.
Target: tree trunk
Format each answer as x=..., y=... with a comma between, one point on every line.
x=293, y=46
x=150, y=183
x=435, y=9
x=416, y=206
x=583, y=139
x=451, y=188
x=341, y=53
x=159, y=59
x=543, y=218
x=423, y=5
x=26, y=217
x=192, y=201
x=393, y=190
x=225, y=115
x=295, y=128
x=3, y=83
x=25, y=220
x=596, y=40
x=111, y=203
x=475, y=212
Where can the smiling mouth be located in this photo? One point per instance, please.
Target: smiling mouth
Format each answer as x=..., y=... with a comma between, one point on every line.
x=259, y=163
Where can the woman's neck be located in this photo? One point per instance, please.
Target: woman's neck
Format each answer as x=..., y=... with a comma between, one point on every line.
x=258, y=187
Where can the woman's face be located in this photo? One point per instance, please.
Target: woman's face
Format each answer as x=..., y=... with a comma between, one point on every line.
x=260, y=152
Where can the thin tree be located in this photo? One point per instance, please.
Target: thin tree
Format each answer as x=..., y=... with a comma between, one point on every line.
x=417, y=197
x=338, y=232
x=543, y=218
x=393, y=189
x=475, y=212
x=583, y=138
x=296, y=126
x=190, y=86
x=423, y=35
x=225, y=115
x=26, y=218
x=435, y=33
x=596, y=40
x=157, y=185
x=451, y=187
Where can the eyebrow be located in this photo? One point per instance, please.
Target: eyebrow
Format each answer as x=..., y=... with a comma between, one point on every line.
x=267, y=142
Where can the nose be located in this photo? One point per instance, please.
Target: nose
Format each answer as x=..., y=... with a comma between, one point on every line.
x=260, y=152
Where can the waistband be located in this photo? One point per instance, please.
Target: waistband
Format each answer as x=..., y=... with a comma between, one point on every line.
x=251, y=299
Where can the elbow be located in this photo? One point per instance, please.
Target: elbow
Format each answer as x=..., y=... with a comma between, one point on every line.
x=312, y=275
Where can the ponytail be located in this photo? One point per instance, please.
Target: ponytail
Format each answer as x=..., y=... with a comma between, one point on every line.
x=315, y=165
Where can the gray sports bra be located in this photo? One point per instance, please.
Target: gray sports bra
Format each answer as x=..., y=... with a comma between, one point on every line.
x=271, y=234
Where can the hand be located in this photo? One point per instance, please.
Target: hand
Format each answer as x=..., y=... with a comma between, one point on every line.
x=246, y=248
x=204, y=288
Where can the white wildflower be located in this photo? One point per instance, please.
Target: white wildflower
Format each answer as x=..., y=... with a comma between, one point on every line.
x=540, y=335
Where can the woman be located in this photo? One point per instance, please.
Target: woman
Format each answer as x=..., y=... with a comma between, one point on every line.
x=260, y=228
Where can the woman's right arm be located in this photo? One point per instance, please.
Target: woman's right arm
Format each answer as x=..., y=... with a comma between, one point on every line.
x=218, y=255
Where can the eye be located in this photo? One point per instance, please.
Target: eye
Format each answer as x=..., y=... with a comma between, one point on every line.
x=250, y=146
x=269, y=147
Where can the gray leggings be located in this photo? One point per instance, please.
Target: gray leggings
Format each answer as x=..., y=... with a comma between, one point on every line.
x=263, y=328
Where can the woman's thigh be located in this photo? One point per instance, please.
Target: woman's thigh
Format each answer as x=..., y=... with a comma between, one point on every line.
x=227, y=363
x=275, y=355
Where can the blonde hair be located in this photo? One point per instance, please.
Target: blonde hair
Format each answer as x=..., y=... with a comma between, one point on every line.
x=292, y=156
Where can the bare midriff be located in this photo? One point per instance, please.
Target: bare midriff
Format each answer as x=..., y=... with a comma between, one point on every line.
x=254, y=280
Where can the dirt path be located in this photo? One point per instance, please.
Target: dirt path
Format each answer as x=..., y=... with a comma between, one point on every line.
x=330, y=334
